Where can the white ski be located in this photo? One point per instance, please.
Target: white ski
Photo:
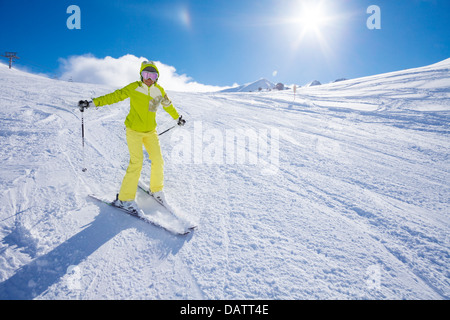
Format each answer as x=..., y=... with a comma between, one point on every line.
x=189, y=225
x=155, y=216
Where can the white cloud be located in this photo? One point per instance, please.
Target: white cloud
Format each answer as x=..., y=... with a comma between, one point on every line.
x=124, y=70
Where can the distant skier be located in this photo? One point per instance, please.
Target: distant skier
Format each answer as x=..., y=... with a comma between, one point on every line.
x=145, y=97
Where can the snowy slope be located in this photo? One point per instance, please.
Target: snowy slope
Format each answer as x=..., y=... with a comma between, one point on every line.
x=353, y=206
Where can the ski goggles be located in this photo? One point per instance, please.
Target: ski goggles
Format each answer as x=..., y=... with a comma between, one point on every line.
x=149, y=75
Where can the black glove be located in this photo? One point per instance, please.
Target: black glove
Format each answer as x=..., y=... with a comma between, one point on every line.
x=181, y=121
x=83, y=104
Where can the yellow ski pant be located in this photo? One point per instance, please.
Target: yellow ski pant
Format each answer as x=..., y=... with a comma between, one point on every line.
x=130, y=182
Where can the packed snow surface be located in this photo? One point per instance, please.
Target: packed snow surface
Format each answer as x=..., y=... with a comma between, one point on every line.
x=346, y=195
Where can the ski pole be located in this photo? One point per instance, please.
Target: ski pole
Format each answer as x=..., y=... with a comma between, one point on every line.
x=166, y=130
x=180, y=122
x=82, y=127
x=82, y=134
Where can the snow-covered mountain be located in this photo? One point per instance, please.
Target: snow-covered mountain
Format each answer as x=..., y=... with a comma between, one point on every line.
x=341, y=192
x=259, y=85
x=314, y=83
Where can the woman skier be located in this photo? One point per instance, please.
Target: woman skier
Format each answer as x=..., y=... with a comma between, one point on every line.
x=145, y=97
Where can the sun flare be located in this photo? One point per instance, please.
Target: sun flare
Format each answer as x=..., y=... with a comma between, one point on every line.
x=311, y=21
x=312, y=16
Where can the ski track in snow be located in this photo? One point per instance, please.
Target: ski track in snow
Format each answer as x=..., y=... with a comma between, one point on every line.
x=357, y=207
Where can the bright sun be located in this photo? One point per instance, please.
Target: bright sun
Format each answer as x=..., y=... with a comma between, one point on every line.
x=311, y=22
x=312, y=16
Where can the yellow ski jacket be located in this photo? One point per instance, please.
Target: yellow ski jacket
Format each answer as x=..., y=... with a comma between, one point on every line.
x=144, y=102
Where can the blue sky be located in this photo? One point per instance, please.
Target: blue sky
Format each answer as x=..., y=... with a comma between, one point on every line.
x=222, y=42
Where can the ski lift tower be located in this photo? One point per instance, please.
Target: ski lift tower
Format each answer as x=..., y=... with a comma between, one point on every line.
x=11, y=56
